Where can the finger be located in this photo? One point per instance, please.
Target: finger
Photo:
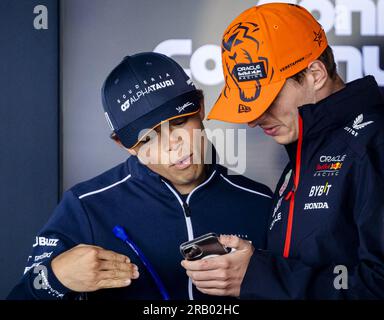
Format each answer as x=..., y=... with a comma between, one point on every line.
x=113, y=264
x=213, y=292
x=108, y=284
x=211, y=284
x=117, y=275
x=113, y=256
x=231, y=241
x=81, y=245
x=217, y=274
x=206, y=264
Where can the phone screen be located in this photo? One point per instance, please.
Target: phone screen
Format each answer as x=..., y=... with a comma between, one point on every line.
x=202, y=247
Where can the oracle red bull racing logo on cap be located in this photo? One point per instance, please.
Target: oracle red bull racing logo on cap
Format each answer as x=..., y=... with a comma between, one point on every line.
x=249, y=72
x=242, y=62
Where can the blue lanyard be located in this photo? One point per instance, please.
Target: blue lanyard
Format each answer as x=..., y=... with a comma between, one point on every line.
x=122, y=235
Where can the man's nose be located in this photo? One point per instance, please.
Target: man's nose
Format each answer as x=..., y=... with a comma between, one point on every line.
x=254, y=123
x=175, y=141
x=175, y=144
x=258, y=121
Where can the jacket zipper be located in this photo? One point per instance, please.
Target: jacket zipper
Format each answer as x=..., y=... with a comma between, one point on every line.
x=187, y=215
x=187, y=210
x=291, y=194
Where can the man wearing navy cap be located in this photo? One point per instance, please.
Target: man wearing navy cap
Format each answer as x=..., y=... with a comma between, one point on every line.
x=163, y=195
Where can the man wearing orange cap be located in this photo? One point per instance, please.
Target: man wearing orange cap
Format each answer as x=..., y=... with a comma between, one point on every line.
x=326, y=230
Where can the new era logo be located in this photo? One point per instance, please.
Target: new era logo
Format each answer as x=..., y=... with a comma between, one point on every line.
x=243, y=108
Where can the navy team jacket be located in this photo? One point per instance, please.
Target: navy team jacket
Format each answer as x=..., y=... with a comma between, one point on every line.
x=326, y=230
x=155, y=216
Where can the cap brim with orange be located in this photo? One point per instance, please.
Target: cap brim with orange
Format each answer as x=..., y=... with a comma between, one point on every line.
x=230, y=108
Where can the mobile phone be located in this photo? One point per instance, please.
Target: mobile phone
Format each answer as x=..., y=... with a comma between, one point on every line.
x=203, y=246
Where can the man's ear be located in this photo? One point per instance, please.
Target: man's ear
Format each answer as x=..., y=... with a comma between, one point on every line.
x=120, y=144
x=319, y=74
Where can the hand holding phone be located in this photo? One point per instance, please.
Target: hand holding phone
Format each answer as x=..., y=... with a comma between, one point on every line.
x=203, y=246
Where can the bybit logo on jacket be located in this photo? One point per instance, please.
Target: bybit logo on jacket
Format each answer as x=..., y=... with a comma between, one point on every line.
x=358, y=124
x=318, y=191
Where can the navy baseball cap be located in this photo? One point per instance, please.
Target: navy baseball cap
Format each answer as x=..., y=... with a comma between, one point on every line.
x=143, y=91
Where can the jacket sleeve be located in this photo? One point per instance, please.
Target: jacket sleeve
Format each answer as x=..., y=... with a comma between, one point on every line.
x=68, y=226
x=274, y=277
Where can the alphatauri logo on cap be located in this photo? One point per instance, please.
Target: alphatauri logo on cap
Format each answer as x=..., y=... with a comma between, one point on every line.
x=148, y=86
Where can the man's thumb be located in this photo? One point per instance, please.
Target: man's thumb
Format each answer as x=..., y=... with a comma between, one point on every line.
x=231, y=241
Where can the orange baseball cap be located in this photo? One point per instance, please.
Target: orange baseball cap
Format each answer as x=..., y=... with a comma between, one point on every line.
x=261, y=48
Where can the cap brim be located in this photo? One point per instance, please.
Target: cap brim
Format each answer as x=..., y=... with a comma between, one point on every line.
x=141, y=138
x=227, y=108
x=133, y=133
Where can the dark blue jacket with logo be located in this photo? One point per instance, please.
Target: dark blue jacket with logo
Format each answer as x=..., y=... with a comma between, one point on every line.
x=156, y=217
x=326, y=231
